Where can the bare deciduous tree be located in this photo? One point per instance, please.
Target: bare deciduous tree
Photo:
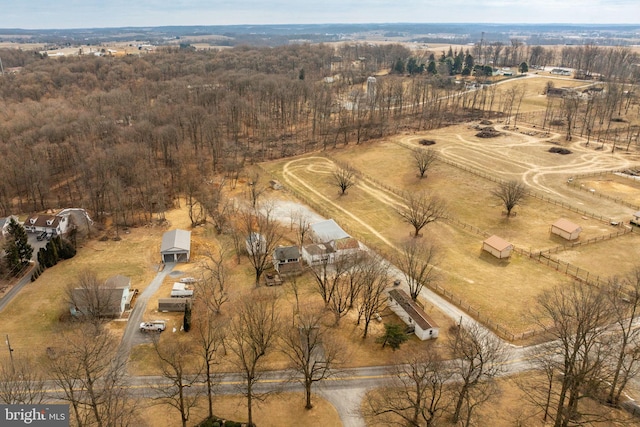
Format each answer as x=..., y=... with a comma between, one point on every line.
x=91, y=298
x=256, y=188
x=252, y=335
x=91, y=375
x=264, y=233
x=212, y=288
x=301, y=223
x=416, y=395
x=344, y=178
x=511, y=194
x=417, y=263
x=423, y=160
x=624, y=355
x=577, y=314
x=312, y=349
x=372, y=299
x=210, y=333
x=422, y=209
x=478, y=358
x=21, y=383
x=175, y=359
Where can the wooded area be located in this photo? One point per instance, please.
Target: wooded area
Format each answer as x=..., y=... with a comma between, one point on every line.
x=124, y=136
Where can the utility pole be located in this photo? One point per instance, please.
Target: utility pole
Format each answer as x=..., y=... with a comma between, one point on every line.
x=11, y=354
x=1, y=68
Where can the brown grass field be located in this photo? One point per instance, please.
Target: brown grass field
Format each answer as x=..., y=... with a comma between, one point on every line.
x=503, y=291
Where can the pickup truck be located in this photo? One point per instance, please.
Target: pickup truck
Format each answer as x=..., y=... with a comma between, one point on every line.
x=153, y=326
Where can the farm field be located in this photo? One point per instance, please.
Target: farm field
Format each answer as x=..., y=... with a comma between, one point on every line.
x=499, y=290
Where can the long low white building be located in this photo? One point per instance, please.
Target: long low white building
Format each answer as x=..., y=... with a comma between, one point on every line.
x=412, y=314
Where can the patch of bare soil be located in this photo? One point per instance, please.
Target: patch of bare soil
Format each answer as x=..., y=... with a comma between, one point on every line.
x=427, y=142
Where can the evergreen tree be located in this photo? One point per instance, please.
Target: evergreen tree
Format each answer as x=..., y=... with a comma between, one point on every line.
x=523, y=68
x=394, y=336
x=431, y=68
x=399, y=66
x=468, y=61
x=18, y=249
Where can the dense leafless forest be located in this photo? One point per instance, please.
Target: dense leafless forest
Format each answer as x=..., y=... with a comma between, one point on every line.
x=126, y=135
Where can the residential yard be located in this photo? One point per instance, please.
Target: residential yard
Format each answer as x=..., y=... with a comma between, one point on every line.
x=278, y=410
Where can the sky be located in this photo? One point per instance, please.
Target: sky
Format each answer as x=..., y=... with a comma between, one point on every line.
x=64, y=14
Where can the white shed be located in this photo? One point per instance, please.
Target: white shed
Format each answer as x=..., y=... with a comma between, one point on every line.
x=176, y=246
x=566, y=229
x=497, y=247
x=412, y=314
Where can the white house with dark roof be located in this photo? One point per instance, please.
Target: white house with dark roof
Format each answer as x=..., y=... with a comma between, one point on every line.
x=412, y=314
x=566, y=229
x=176, y=246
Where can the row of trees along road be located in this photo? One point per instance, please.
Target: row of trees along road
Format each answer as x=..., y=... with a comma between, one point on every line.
x=126, y=135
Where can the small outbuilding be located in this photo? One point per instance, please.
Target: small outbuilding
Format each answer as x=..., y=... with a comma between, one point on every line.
x=412, y=314
x=173, y=304
x=176, y=246
x=566, y=229
x=636, y=219
x=497, y=247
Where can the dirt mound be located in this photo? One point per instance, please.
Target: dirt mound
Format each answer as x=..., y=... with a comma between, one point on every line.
x=427, y=142
x=486, y=122
x=488, y=132
x=559, y=150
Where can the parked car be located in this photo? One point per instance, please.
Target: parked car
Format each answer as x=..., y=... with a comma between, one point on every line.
x=153, y=326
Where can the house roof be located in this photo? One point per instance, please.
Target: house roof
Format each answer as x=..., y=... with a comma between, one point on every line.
x=287, y=252
x=110, y=298
x=117, y=282
x=497, y=243
x=637, y=214
x=566, y=225
x=328, y=230
x=43, y=220
x=346, y=243
x=318, y=249
x=414, y=311
x=176, y=240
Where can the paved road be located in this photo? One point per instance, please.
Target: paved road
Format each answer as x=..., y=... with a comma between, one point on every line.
x=132, y=331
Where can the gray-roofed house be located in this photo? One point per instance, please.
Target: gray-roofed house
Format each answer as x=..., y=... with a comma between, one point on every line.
x=108, y=300
x=566, y=229
x=315, y=254
x=286, y=259
x=412, y=314
x=176, y=246
x=326, y=231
